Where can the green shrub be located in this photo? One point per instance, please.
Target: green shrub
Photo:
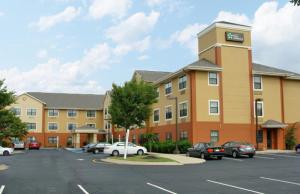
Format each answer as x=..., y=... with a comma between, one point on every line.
x=168, y=146
x=290, y=138
x=183, y=146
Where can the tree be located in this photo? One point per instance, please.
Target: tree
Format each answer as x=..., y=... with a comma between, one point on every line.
x=290, y=137
x=10, y=125
x=295, y=2
x=131, y=105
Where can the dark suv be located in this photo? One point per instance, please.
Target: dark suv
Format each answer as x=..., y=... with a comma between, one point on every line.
x=237, y=149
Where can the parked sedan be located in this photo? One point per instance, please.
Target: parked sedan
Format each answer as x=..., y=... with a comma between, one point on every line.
x=99, y=147
x=6, y=151
x=297, y=148
x=119, y=148
x=87, y=148
x=205, y=151
x=34, y=145
x=237, y=149
x=19, y=145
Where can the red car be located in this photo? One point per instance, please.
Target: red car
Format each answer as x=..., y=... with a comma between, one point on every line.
x=34, y=145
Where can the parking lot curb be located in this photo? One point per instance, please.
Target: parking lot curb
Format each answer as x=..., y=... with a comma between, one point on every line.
x=123, y=162
x=3, y=167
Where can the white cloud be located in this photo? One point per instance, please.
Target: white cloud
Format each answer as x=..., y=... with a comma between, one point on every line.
x=116, y=8
x=140, y=46
x=152, y=3
x=133, y=28
x=235, y=18
x=67, y=15
x=61, y=77
x=143, y=57
x=43, y=53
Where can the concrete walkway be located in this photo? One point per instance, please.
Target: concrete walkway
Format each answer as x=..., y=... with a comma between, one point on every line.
x=3, y=167
x=180, y=158
x=275, y=151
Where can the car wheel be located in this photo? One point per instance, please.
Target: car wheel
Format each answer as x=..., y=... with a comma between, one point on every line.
x=219, y=157
x=96, y=151
x=5, y=153
x=140, y=152
x=251, y=155
x=235, y=154
x=202, y=156
x=115, y=153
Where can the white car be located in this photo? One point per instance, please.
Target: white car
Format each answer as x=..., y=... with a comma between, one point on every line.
x=119, y=148
x=6, y=151
x=19, y=145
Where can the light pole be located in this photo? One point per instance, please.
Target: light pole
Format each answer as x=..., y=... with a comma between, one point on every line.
x=176, y=151
x=256, y=118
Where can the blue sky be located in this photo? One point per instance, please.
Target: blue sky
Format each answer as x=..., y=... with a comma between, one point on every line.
x=84, y=46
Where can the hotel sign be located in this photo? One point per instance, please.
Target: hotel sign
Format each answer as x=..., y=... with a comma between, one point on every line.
x=234, y=36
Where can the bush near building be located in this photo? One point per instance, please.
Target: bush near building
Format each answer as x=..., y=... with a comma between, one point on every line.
x=168, y=146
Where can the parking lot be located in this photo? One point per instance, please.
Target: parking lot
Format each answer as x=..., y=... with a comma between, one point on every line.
x=61, y=171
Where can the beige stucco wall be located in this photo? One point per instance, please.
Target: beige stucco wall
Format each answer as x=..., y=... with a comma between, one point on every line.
x=25, y=102
x=271, y=95
x=183, y=96
x=291, y=90
x=106, y=104
x=62, y=120
x=204, y=93
x=209, y=55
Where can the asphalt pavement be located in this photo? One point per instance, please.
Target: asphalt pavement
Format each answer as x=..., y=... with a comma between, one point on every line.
x=63, y=172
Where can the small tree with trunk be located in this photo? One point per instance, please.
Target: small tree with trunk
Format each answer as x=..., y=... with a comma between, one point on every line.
x=131, y=105
x=10, y=125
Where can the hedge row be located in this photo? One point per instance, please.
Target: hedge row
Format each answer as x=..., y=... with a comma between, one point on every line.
x=168, y=146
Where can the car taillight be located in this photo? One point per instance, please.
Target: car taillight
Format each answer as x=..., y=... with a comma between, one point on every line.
x=209, y=150
x=222, y=150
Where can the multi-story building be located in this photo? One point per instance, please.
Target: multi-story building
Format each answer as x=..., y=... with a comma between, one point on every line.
x=218, y=93
x=59, y=119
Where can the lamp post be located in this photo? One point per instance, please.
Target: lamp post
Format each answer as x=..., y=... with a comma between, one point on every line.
x=256, y=118
x=176, y=151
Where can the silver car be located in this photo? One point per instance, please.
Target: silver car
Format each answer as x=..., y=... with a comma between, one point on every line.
x=19, y=145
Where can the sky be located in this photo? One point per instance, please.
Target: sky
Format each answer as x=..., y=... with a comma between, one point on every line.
x=83, y=46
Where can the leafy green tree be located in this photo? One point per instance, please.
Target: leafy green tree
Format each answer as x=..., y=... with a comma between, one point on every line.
x=295, y=2
x=10, y=125
x=131, y=105
x=290, y=137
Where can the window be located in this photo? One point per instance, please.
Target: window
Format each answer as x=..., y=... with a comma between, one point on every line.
x=72, y=126
x=260, y=109
x=31, y=126
x=52, y=126
x=16, y=111
x=168, y=88
x=212, y=78
x=31, y=139
x=91, y=113
x=69, y=140
x=93, y=125
x=168, y=136
x=214, y=136
x=257, y=82
x=72, y=113
x=182, y=82
x=168, y=111
x=260, y=136
x=213, y=107
x=156, y=115
x=157, y=91
x=52, y=140
x=31, y=112
x=183, y=135
x=133, y=138
x=105, y=111
x=183, y=109
x=52, y=113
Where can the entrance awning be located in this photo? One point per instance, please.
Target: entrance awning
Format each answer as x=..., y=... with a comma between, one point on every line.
x=271, y=124
x=88, y=129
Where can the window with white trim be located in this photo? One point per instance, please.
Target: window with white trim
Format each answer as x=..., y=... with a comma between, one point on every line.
x=214, y=136
x=93, y=125
x=213, y=78
x=168, y=136
x=31, y=126
x=183, y=135
x=16, y=111
x=156, y=115
x=182, y=82
x=52, y=140
x=183, y=109
x=52, y=126
x=31, y=112
x=214, y=107
x=168, y=88
x=91, y=113
x=72, y=113
x=260, y=109
x=52, y=112
x=72, y=126
x=168, y=113
x=157, y=91
x=257, y=82
x=31, y=139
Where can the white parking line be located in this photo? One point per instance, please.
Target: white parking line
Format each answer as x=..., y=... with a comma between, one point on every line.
x=234, y=159
x=2, y=189
x=82, y=189
x=263, y=157
x=280, y=155
x=158, y=187
x=282, y=181
x=232, y=186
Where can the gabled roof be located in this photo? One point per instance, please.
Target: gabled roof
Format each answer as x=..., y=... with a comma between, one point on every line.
x=273, y=124
x=260, y=69
x=151, y=76
x=70, y=101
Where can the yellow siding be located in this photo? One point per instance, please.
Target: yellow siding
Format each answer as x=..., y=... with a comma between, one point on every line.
x=292, y=100
x=209, y=55
x=207, y=40
x=204, y=93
